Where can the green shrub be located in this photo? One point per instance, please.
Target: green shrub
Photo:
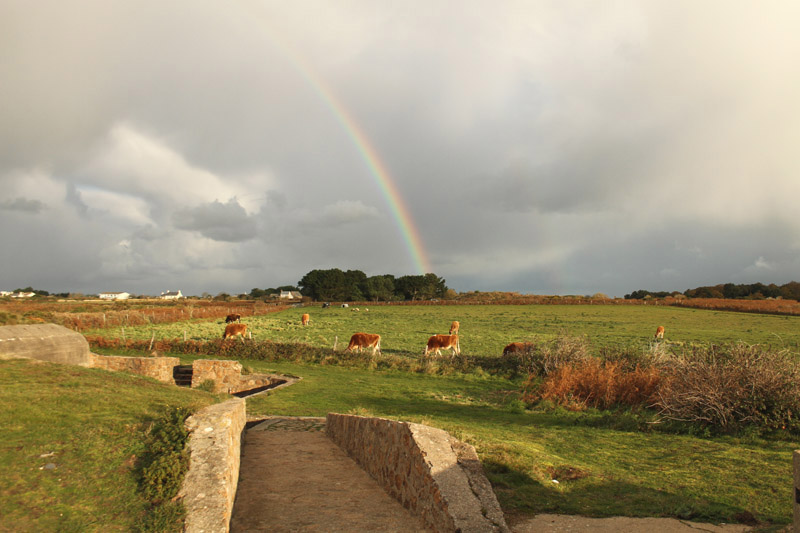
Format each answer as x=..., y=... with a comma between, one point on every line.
x=166, y=459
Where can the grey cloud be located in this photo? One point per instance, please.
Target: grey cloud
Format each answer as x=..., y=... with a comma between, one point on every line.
x=73, y=197
x=227, y=222
x=22, y=204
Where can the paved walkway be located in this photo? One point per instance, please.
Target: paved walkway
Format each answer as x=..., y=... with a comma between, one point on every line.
x=293, y=478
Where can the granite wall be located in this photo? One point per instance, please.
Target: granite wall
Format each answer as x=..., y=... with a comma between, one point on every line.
x=432, y=474
x=209, y=488
x=159, y=368
x=796, y=491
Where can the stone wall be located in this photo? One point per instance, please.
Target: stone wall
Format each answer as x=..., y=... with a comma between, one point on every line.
x=432, y=474
x=209, y=488
x=160, y=368
x=796, y=491
x=46, y=342
x=225, y=374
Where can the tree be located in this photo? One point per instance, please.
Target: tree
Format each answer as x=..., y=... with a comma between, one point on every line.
x=377, y=288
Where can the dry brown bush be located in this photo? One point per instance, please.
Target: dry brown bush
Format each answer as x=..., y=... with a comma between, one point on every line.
x=544, y=357
x=731, y=386
x=602, y=384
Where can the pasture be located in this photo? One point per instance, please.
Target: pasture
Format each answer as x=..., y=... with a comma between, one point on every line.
x=486, y=329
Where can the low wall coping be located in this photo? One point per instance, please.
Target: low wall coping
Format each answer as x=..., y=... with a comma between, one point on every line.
x=209, y=488
x=424, y=459
x=796, y=491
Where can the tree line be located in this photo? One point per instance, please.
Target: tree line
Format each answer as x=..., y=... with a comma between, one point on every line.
x=753, y=291
x=353, y=285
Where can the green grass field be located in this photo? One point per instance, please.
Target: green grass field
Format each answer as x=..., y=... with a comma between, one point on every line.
x=621, y=464
x=486, y=329
x=89, y=425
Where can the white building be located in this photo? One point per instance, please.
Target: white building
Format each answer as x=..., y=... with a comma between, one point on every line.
x=171, y=295
x=114, y=295
x=23, y=295
x=5, y=293
x=291, y=295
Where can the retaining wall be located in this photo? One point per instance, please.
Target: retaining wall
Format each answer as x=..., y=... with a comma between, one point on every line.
x=432, y=474
x=210, y=486
x=160, y=368
x=46, y=342
x=796, y=491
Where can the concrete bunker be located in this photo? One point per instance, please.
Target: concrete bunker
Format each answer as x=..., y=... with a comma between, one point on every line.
x=45, y=342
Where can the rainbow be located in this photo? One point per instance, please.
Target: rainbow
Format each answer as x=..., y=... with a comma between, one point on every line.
x=377, y=168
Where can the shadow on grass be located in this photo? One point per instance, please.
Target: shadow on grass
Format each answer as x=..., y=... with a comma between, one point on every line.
x=602, y=497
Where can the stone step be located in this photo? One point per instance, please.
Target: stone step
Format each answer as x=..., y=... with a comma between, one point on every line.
x=182, y=375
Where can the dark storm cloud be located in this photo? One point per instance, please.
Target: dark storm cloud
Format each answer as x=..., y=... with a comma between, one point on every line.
x=227, y=222
x=22, y=204
x=547, y=147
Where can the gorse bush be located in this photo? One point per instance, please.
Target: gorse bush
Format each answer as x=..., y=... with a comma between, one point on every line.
x=166, y=459
x=732, y=386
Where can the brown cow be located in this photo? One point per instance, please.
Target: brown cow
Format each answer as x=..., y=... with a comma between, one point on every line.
x=305, y=319
x=454, y=327
x=232, y=330
x=443, y=342
x=659, y=333
x=517, y=347
x=233, y=318
x=364, y=340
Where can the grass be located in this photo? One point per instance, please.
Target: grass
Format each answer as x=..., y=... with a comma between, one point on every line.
x=486, y=329
x=70, y=442
x=628, y=468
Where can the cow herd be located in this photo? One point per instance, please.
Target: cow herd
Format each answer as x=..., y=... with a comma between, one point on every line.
x=359, y=341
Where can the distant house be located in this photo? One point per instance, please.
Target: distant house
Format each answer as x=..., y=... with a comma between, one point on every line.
x=23, y=295
x=171, y=295
x=5, y=293
x=114, y=295
x=291, y=295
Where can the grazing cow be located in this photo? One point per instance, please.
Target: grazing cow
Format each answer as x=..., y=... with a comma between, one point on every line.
x=232, y=330
x=443, y=342
x=233, y=318
x=517, y=347
x=364, y=340
x=659, y=333
x=454, y=327
x=305, y=319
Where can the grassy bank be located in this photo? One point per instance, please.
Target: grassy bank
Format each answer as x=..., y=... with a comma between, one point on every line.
x=71, y=439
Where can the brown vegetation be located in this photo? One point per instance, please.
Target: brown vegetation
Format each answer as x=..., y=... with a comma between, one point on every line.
x=83, y=316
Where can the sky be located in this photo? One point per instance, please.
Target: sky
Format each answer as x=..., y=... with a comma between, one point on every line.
x=564, y=147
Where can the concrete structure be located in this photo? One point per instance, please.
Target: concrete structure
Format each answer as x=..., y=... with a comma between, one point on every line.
x=160, y=368
x=46, y=342
x=437, y=477
x=209, y=489
x=114, y=295
x=796, y=491
x=23, y=295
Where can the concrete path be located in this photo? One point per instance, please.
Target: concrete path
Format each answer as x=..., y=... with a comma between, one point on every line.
x=293, y=478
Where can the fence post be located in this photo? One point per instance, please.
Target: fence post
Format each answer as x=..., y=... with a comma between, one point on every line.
x=796, y=491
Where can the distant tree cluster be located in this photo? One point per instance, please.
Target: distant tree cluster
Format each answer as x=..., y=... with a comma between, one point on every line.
x=353, y=285
x=754, y=291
